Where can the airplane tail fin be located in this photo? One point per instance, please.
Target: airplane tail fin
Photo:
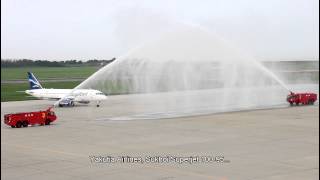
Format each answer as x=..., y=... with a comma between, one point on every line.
x=34, y=83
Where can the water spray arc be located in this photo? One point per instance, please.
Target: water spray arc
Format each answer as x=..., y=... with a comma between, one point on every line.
x=189, y=59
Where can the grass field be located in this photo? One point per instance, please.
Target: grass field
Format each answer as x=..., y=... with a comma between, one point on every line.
x=15, y=91
x=9, y=91
x=47, y=72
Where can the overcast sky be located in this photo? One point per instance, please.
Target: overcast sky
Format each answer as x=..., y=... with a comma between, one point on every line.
x=102, y=29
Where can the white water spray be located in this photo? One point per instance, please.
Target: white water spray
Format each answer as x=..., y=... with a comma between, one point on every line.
x=189, y=60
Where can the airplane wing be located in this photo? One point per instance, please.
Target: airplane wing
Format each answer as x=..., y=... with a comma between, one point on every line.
x=54, y=99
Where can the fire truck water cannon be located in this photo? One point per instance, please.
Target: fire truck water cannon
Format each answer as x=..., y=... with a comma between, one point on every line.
x=23, y=119
x=301, y=98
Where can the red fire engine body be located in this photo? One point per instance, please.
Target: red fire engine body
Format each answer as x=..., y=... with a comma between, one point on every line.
x=24, y=119
x=301, y=98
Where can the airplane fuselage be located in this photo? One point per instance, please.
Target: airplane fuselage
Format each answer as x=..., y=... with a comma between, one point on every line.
x=78, y=95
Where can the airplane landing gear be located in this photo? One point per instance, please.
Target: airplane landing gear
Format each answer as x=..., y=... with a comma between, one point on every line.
x=98, y=103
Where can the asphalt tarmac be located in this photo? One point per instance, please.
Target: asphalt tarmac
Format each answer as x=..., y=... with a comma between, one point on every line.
x=119, y=141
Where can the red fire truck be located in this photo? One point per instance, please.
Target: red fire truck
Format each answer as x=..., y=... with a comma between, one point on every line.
x=301, y=98
x=24, y=119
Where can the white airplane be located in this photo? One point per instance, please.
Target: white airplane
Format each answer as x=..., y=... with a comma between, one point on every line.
x=65, y=97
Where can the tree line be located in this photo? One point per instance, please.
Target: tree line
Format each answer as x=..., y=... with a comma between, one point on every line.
x=6, y=63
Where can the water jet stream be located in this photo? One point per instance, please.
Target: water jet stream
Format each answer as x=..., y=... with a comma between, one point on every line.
x=190, y=59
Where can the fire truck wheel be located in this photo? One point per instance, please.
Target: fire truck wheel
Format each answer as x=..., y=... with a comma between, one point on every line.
x=47, y=122
x=18, y=125
x=25, y=123
x=291, y=103
x=13, y=126
x=311, y=102
x=297, y=103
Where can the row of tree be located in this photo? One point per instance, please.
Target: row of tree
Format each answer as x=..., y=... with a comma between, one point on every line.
x=45, y=63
